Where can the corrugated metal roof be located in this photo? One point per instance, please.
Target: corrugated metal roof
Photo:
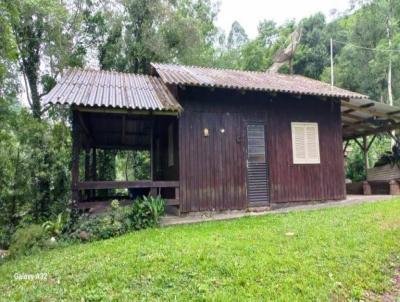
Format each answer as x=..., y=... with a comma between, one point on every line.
x=93, y=88
x=367, y=117
x=248, y=80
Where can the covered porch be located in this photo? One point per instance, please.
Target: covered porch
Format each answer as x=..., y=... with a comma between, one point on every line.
x=125, y=136
x=363, y=121
x=110, y=132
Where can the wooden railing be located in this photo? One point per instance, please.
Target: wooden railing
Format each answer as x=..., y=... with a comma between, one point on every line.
x=155, y=187
x=97, y=185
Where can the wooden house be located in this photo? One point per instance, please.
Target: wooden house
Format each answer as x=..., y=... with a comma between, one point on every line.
x=218, y=139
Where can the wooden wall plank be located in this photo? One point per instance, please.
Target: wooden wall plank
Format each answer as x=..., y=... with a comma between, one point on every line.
x=213, y=169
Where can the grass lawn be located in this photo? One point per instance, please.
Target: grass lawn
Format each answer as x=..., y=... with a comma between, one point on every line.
x=333, y=254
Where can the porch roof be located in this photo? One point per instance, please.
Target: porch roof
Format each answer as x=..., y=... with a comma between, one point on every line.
x=367, y=117
x=110, y=89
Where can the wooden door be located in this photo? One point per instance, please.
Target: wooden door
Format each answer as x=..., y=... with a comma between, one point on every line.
x=257, y=166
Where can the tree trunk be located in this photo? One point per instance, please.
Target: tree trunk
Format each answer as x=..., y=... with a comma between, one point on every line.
x=389, y=81
x=287, y=54
x=31, y=75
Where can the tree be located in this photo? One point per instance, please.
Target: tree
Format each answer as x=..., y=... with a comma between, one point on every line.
x=42, y=33
x=152, y=31
x=268, y=32
x=8, y=49
x=313, y=53
x=34, y=173
x=237, y=36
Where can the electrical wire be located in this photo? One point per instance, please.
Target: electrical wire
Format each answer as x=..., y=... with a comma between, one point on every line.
x=366, y=48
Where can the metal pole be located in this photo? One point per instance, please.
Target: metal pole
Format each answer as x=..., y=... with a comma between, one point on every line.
x=332, y=79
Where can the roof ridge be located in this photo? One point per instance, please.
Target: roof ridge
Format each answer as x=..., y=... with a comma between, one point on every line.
x=173, y=73
x=79, y=69
x=210, y=67
x=241, y=70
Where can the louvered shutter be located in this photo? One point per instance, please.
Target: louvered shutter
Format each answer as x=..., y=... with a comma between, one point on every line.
x=257, y=167
x=305, y=142
x=312, y=140
x=299, y=144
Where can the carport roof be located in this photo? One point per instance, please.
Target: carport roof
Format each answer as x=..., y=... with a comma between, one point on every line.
x=366, y=117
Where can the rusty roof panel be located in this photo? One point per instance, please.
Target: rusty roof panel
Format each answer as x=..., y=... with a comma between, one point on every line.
x=368, y=117
x=95, y=88
x=249, y=80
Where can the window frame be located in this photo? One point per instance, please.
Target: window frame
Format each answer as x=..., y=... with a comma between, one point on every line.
x=308, y=160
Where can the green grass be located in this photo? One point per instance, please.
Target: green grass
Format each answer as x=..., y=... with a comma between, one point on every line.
x=334, y=254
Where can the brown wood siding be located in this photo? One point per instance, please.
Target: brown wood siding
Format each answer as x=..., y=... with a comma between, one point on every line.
x=212, y=170
x=211, y=174
x=304, y=182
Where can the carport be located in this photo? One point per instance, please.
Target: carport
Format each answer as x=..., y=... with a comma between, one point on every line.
x=363, y=120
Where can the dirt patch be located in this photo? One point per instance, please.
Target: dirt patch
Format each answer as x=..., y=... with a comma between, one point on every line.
x=393, y=224
x=393, y=295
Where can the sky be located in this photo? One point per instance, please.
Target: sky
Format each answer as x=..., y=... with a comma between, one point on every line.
x=250, y=12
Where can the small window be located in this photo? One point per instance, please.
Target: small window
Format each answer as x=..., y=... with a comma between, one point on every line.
x=305, y=142
x=170, y=145
x=256, y=143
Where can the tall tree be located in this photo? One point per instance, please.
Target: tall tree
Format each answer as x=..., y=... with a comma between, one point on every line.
x=8, y=49
x=312, y=55
x=364, y=64
x=147, y=31
x=237, y=36
x=44, y=37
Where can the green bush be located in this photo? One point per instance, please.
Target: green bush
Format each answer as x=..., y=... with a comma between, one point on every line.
x=146, y=212
x=103, y=226
x=28, y=239
x=56, y=227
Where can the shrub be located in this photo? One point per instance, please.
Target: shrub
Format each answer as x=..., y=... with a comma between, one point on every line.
x=56, y=227
x=103, y=226
x=28, y=239
x=146, y=212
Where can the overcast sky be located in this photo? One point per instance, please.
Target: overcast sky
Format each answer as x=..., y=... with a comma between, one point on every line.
x=250, y=12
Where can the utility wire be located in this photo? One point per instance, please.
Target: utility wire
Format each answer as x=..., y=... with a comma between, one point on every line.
x=366, y=48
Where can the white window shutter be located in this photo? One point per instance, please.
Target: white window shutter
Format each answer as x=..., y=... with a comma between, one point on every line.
x=312, y=144
x=299, y=144
x=305, y=142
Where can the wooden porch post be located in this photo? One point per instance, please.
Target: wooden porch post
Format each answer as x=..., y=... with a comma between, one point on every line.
x=94, y=164
x=87, y=164
x=94, y=170
x=366, y=186
x=152, y=150
x=365, y=151
x=75, y=158
x=365, y=146
x=87, y=170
